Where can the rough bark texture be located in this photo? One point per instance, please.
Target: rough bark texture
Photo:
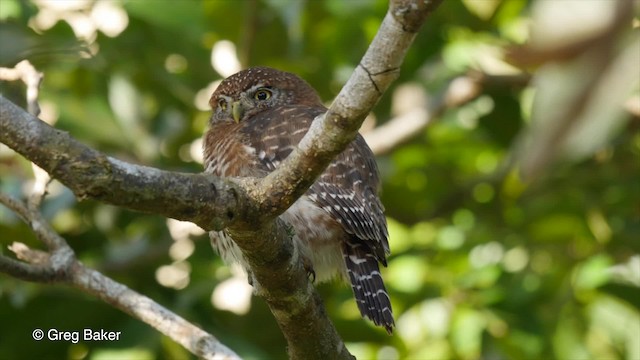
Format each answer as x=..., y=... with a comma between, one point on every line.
x=210, y=202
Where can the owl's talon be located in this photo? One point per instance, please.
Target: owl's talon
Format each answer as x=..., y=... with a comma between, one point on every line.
x=257, y=289
x=308, y=267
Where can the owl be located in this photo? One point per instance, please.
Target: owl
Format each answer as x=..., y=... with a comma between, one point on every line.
x=259, y=117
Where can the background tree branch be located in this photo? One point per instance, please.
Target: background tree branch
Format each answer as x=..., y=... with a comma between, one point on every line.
x=407, y=125
x=61, y=266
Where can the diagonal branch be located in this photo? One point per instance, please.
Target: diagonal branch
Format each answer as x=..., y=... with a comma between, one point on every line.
x=331, y=133
x=61, y=266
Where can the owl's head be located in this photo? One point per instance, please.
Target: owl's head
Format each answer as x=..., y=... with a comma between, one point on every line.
x=249, y=92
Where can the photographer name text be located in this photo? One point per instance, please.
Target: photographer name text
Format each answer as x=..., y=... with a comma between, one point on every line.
x=76, y=336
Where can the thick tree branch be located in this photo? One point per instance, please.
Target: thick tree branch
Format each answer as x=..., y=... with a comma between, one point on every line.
x=208, y=201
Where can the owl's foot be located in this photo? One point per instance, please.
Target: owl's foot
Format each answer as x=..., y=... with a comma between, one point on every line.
x=257, y=289
x=250, y=279
x=308, y=267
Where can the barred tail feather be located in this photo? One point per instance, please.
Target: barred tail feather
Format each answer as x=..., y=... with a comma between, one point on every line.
x=368, y=288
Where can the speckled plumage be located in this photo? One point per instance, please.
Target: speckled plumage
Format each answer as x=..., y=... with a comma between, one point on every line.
x=259, y=116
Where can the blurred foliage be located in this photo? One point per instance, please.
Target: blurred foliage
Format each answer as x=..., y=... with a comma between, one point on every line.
x=484, y=264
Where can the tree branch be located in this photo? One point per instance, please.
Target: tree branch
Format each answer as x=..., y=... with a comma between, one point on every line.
x=61, y=266
x=564, y=113
x=210, y=202
x=23, y=271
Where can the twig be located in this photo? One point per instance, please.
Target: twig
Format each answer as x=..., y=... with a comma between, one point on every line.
x=40, y=227
x=24, y=271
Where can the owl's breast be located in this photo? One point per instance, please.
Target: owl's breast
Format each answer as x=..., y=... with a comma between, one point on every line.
x=228, y=153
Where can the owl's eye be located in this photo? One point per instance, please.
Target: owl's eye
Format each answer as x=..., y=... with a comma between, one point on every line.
x=222, y=103
x=262, y=94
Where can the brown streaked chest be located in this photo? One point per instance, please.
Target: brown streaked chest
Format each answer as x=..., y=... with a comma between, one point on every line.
x=228, y=153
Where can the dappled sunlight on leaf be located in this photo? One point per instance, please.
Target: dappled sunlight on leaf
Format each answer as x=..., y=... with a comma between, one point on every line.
x=450, y=238
x=466, y=331
x=224, y=58
x=407, y=273
x=233, y=294
x=175, y=276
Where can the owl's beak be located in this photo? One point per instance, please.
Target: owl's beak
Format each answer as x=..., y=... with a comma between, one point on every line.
x=237, y=111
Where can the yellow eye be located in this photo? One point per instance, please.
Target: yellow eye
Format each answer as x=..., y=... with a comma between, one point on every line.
x=222, y=103
x=262, y=94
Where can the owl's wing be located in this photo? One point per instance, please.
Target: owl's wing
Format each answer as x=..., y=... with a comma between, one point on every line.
x=347, y=189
